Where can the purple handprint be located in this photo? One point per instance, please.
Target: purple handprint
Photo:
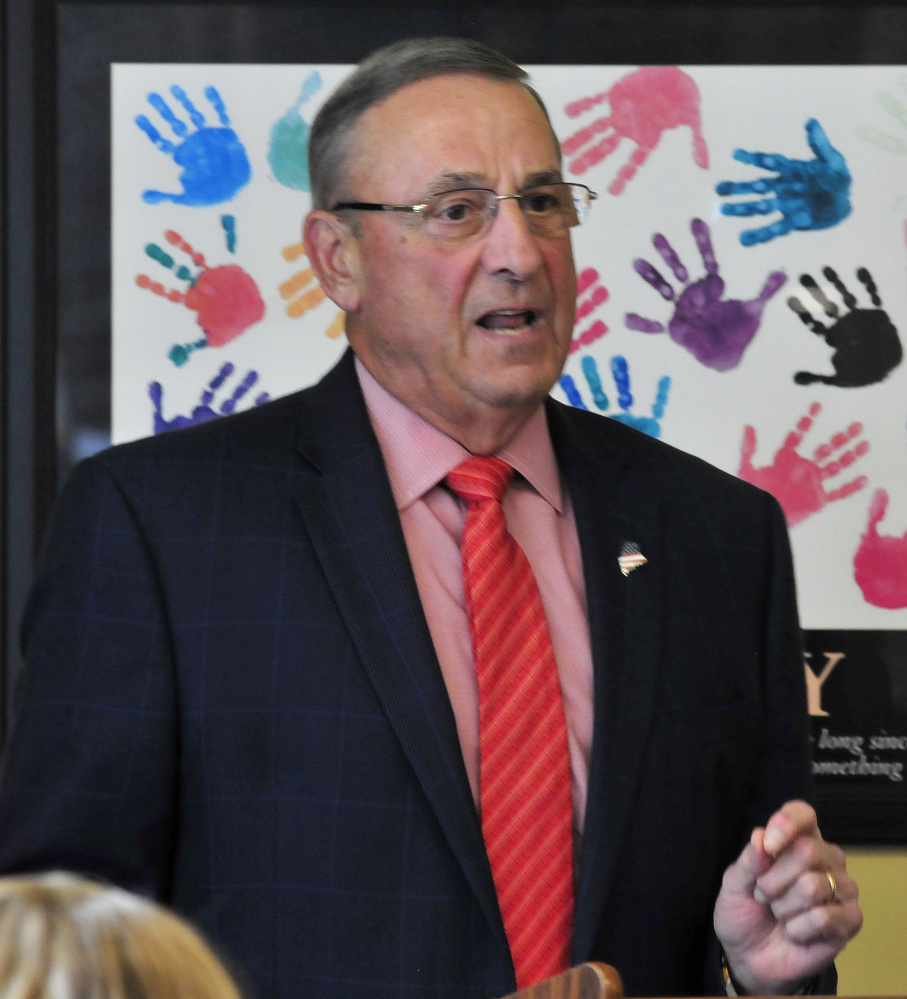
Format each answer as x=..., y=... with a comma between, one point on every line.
x=213, y=160
x=715, y=331
x=205, y=410
x=809, y=194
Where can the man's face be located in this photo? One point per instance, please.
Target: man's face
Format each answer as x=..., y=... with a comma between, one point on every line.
x=477, y=329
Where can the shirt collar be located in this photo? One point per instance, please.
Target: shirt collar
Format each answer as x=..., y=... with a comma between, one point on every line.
x=418, y=456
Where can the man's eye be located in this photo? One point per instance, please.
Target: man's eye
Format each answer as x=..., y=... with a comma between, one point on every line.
x=455, y=209
x=541, y=203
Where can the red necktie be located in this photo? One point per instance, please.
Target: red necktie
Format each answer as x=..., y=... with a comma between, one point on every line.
x=525, y=764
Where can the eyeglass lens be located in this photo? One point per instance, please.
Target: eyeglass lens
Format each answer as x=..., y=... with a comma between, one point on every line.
x=549, y=210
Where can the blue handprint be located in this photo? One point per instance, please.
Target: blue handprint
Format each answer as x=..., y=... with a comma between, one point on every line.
x=650, y=425
x=204, y=411
x=214, y=162
x=809, y=194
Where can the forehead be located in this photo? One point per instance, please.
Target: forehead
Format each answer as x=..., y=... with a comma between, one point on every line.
x=456, y=125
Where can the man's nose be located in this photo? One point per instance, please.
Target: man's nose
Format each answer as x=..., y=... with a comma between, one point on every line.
x=511, y=250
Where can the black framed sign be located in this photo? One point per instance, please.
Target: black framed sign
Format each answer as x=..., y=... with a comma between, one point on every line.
x=816, y=88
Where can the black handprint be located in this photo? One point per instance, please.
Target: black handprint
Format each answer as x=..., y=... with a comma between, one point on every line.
x=865, y=341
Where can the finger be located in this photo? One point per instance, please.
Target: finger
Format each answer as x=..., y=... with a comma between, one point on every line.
x=765, y=206
x=761, y=186
x=818, y=140
x=163, y=109
x=812, y=888
x=866, y=280
x=620, y=372
x=881, y=140
x=877, y=507
x=195, y=116
x=773, y=284
x=652, y=277
x=218, y=105
x=838, y=441
x=794, y=818
x=669, y=255
x=804, y=424
x=661, y=398
x=704, y=241
x=165, y=145
x=832, y=275
x=767, y=161
x=572, y=392
x=741, y=877
x=890, y=104
x=780, y=228
x=593, y=379
x=848, y=489
x=633, y=321
x=806, y=317
x=827, y=925
x=812, y=286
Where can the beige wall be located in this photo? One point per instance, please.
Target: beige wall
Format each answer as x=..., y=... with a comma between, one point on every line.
x=875, y=963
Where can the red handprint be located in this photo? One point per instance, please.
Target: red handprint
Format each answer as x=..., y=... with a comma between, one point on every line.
x=226, y=298
x=644, y=104
x=796, y=482
x=589, y=281
x=880, y=565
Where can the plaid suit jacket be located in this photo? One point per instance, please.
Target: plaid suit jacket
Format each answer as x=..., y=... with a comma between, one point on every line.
x=232, y=703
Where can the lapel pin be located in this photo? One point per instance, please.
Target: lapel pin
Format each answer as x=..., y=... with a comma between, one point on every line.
x=630, y=557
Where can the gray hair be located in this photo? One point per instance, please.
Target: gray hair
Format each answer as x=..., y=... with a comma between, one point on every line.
x=379, y=76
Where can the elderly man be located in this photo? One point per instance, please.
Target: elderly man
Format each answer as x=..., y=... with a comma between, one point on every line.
x=418, y=683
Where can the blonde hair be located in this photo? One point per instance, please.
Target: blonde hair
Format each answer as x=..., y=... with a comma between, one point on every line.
x=65, y=937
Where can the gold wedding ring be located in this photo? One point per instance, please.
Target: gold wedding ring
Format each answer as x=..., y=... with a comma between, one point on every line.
x=834, y=887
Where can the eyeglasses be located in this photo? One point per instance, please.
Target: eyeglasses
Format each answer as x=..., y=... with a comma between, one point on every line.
x=549, y=210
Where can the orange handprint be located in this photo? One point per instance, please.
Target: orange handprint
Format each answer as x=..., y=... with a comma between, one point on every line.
x=302, y=292
x=796, y=482
x=644, y=105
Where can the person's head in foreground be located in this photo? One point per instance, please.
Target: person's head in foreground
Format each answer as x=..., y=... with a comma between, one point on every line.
x=64, y=937
x=441, y=226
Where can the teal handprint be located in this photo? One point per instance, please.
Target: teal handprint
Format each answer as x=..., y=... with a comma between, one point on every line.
x=650, y=425
x=288, y=152
x=213, y=160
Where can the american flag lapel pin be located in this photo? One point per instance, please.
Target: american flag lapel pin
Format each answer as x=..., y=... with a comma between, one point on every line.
x=630, y=557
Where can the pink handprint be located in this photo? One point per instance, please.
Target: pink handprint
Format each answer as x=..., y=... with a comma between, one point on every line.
x=590, y=294
x=796, y=482
x=644, y=104
x=880, y=565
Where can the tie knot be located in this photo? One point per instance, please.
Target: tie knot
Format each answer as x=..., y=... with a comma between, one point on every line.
x=480, y=478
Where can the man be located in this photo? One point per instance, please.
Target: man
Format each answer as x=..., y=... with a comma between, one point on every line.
x=251, y=688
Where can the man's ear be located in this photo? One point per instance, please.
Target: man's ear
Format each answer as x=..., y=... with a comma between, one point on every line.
x=334, y=254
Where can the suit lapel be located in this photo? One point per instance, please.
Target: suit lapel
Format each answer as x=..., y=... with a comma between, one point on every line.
x=345, y=499
x=612, y=506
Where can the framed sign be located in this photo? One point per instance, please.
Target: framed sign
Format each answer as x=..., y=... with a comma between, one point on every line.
x=701, y=128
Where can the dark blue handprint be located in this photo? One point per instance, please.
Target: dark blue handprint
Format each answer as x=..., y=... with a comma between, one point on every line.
x=809, y=194
x=205, y=410
x=213, y=160
x=650, y=425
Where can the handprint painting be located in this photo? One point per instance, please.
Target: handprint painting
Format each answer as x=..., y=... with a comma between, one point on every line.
x=741, y=281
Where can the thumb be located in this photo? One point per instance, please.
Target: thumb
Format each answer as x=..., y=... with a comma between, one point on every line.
x=753, y=862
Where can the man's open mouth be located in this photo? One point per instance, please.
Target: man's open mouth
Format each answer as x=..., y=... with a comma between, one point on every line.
x=509, y=319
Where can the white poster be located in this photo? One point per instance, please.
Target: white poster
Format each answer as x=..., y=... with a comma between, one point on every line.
x=743, y=277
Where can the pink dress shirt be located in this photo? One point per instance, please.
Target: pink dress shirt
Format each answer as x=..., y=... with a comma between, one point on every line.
x=539, y=516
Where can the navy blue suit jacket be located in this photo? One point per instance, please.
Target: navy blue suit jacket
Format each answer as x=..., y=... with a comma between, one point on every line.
x=232, y=702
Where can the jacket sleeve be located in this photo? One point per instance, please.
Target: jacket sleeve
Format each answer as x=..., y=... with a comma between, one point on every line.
x=89, y=776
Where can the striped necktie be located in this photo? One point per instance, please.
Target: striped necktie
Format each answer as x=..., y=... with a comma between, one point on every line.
x=525, y=765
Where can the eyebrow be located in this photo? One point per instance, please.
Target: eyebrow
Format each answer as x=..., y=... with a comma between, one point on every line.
x=454, y=181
